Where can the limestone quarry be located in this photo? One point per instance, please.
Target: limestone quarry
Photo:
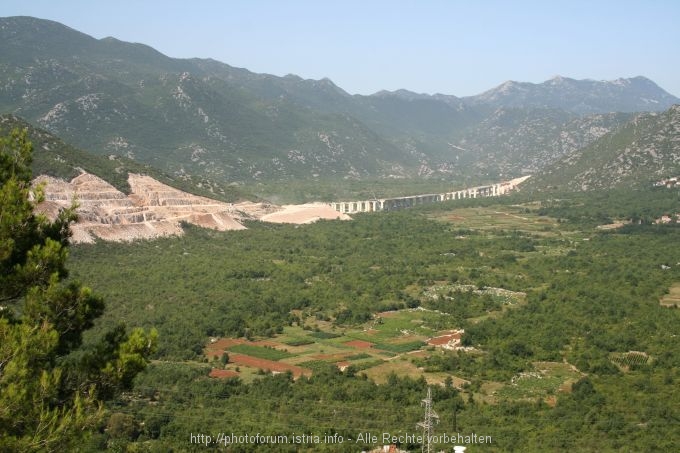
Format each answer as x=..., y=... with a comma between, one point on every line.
x=153, y=209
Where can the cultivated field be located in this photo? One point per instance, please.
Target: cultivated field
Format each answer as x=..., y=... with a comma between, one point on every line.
x=387, y=344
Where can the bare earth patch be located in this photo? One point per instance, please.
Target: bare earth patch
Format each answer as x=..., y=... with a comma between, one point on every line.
x=672, y=299
x=304, y=213
x=342, y=366
x=612, y=226
x=215, y=349
x=359, y=344
x=445, y=339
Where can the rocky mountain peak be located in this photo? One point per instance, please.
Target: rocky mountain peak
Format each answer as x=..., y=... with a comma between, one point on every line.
x=579, y=96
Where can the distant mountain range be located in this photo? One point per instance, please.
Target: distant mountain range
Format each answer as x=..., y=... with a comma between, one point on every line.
x=223, y=125
x=637, y=94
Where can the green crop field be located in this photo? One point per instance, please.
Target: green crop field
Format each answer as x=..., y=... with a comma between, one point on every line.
x=260, y=352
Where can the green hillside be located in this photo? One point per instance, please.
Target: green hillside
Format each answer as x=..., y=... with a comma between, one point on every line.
x=54, y=157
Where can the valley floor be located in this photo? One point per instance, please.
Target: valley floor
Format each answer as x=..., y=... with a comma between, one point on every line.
x=529, y=324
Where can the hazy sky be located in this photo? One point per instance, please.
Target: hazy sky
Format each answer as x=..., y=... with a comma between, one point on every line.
x=452, y=47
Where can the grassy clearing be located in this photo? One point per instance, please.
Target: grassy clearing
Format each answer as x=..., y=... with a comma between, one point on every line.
x=299, y=342
x=547, y=379
x=489, y=392
x=500, y=218
x=314, y=365
x=246, y=374
x=321, y=335
x=401, y=368
x=400, y=347
x=439, y=378
x=367, y=364
x=260, y=352
x=400, y=324
x=318, y=348
x=359, y=356
x=672, y=299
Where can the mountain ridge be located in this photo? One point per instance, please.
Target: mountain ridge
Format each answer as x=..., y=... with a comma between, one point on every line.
x=579, y=96
x=644, y=150
x=228, y=125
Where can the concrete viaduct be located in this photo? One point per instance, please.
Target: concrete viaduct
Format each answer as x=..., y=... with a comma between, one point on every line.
x=394, y=203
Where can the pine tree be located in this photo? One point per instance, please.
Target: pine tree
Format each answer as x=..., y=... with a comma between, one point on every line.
x=49, y=396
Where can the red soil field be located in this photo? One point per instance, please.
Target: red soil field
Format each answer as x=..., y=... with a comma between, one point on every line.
x=444, y=339
x=269, y=365
x=222, y=374
x=217, y=348
x=359, y=344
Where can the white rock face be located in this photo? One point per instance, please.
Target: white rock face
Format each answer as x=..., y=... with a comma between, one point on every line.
x=151, y=210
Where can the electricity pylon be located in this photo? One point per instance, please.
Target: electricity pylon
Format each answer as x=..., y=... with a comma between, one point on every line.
x=431, y=418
